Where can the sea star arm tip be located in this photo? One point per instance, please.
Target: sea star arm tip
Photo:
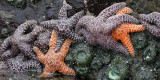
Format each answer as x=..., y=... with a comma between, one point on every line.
x=63, y=10
x=74, y=19
x=125, y=10
x=66, y=70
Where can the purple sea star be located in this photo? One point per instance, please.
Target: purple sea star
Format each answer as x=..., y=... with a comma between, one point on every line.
x=151, y=22
x=97, y=30
x=20, y=64
x=20, y=40
x=64, y=25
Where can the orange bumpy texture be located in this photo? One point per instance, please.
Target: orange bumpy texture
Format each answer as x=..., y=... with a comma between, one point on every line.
x=54, y=61
x=122, y=32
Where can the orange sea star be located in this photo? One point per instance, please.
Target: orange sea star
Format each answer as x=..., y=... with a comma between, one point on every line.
x=122, y=32
x=54, y=61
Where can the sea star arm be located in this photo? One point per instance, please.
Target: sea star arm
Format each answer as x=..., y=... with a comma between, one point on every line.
x=127, y=42
x=109, y=43
x=153, y=17
x=63, y=10
x=74, y=36
x=152, y=28
x=74, y=19
x=66, y=70
x=35, y=32
x=53, y=40
x=116, y=20
x=134, y=27
x=23, y=27
x=40, y=54
x=83, y=22
x=65, y=47
x=50, y=24
x=7, y=53
x=5, y=44
x=27, y=49
x=19, y=63
x=112, y=10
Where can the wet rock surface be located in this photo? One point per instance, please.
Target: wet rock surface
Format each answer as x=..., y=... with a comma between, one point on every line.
x=145, y=73
x=96, y=6
x=89, y=62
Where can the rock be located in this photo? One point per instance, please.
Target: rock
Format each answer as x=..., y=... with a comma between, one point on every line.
x=158, y=73
x=77, y=5
x=145, y=73
x=143, y=6
x=149, y=54
x=96, y=6
x=52, y=8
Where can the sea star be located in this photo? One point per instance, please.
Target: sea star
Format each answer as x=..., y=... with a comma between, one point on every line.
x=64, y=25
x=97, y=30
x=151, y=22
x=54, y=61
x=20, y=41
x=20, y=64
x=122, y=32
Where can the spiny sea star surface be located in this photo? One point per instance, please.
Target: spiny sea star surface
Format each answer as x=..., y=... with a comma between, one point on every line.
x=20, y=64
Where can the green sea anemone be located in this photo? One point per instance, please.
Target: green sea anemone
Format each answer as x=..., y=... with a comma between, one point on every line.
x=82, y=54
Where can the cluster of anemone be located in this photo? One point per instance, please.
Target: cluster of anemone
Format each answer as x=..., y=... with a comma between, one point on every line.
x=17, y=49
